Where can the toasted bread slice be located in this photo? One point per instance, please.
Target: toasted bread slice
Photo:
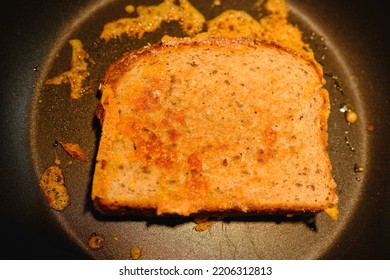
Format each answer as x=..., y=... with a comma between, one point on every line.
x=213, y=126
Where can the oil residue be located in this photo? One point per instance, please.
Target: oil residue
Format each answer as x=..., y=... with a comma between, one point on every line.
x=346, y=109
x=348, y=142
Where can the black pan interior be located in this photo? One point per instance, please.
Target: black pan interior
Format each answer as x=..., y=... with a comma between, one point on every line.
x=350, y=42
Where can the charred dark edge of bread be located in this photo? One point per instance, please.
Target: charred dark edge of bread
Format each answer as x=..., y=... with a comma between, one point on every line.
x=112, y=209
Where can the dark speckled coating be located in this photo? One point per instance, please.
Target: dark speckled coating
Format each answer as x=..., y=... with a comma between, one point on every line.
x=351, y=41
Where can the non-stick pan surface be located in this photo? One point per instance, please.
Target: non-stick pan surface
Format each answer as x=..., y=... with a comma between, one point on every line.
x=350, y=40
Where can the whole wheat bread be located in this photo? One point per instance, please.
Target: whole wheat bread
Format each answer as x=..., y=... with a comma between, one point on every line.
x=213, y=125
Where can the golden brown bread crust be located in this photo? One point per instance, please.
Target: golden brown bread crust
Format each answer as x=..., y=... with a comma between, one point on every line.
x=120, y=66
x=213, y=125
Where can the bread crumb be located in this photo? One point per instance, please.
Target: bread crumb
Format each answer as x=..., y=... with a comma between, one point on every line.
x=370, y=128
x=74, y=150
x=95, y=241
x=204, y=226
x=203, y=223
x=135, y=253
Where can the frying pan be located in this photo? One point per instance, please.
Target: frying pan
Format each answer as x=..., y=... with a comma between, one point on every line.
x=349, y=39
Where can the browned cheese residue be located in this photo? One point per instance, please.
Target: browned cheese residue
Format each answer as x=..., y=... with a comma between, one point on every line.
x=150, y=19
x=231, y=23
x=78, y=71
x=271, y=28
x=53, y=187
